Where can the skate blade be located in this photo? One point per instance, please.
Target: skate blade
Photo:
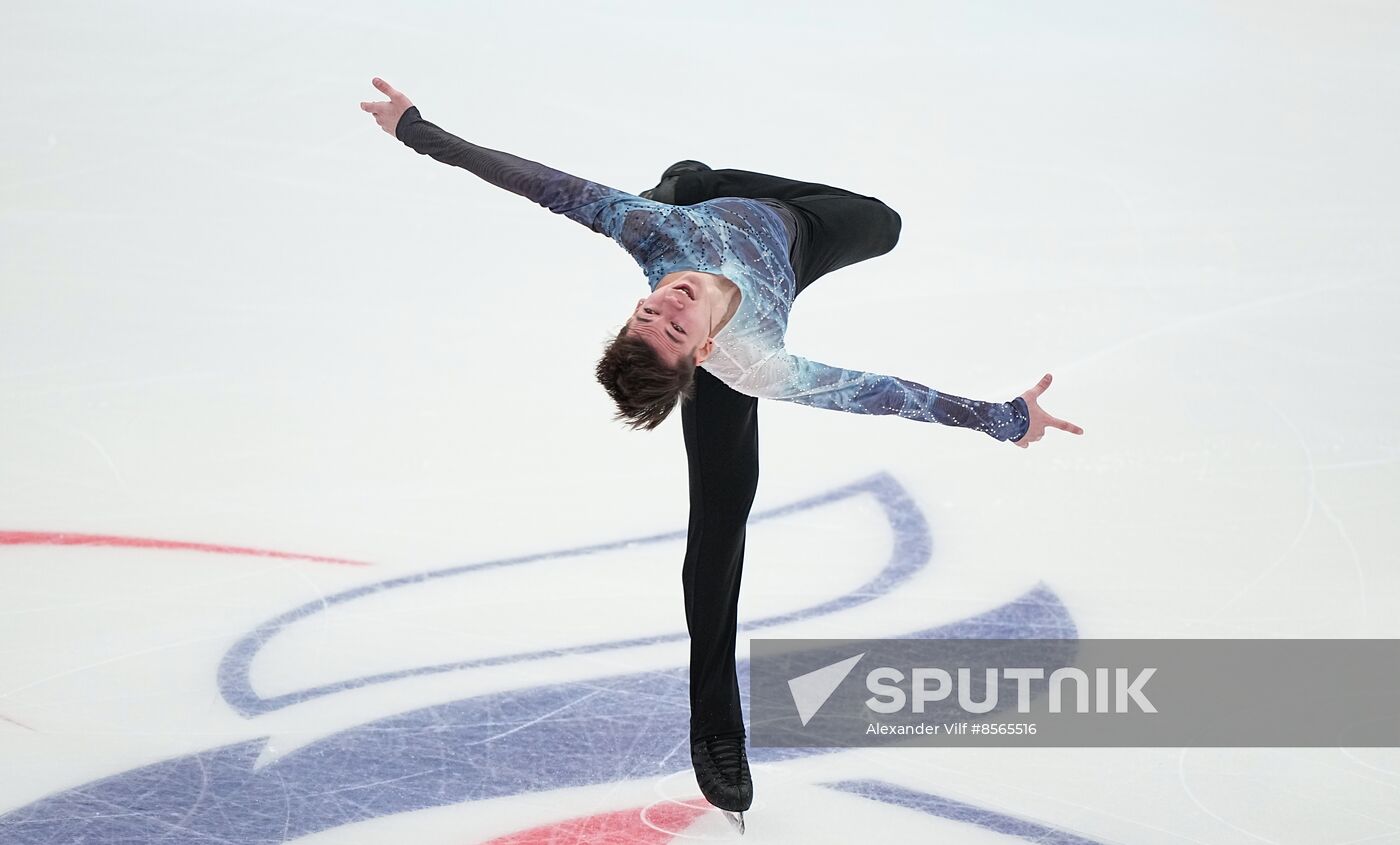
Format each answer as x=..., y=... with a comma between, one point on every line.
x=735, y=819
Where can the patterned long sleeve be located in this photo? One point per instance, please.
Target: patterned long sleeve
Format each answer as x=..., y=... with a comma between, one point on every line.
x=795, y=379
x=578, y=199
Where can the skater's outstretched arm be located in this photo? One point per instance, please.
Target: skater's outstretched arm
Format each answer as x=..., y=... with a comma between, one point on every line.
x=578, y=199
x=795, y=379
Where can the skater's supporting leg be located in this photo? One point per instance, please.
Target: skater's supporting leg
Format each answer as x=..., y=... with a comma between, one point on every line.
x=721, y=444
x=836, y=228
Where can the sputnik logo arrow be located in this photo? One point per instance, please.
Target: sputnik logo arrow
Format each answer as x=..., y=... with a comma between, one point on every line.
x=810, y=691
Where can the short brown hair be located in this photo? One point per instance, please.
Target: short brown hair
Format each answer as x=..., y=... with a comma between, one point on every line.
x=644, y=386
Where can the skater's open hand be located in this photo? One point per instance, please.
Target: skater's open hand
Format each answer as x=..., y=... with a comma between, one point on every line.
x=387, y=114
x=1039, y=419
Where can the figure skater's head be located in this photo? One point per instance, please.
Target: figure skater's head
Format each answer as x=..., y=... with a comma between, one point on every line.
x=651, y=363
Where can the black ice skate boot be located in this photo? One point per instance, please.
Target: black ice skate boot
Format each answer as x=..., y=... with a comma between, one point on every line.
x=665, y=190
x=722, y=770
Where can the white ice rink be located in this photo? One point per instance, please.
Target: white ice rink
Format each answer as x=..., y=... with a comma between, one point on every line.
x=238, y=319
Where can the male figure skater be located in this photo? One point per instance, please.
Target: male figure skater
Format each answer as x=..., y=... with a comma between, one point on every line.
x=725, y=253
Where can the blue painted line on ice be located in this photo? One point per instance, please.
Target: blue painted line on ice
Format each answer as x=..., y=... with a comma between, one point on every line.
x=492, y=746
x=911, y=551
x=497, y=745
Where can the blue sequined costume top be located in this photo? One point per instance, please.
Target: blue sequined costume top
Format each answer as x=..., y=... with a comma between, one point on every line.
x=743, y=240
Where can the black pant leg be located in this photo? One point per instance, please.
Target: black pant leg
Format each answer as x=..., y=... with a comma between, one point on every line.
x=840, y=231
x=721, y=444
x=838, y=228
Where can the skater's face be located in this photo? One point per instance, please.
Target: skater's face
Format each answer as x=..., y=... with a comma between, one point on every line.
x=675, y=321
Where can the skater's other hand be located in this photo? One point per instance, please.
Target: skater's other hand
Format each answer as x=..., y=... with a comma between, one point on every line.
x=1039, y=419
x=387, y=114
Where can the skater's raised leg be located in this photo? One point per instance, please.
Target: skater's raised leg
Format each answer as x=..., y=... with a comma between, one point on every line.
x=835, y=227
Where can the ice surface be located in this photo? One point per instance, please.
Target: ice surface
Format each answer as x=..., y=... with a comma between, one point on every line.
x=314, y=527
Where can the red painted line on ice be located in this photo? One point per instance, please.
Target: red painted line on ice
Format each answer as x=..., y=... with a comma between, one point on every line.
x=42, y=538
x=625, y=827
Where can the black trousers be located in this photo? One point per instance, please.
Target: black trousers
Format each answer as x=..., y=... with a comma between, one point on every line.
x=829, y=228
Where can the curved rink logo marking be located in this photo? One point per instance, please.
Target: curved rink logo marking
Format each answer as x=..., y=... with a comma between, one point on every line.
x=532, y=740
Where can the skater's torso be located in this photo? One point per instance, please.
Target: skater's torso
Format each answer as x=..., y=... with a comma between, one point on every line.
x=740, y=246
x=738, y=241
